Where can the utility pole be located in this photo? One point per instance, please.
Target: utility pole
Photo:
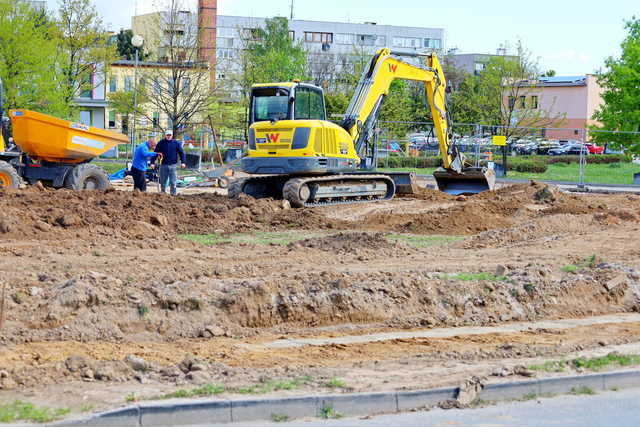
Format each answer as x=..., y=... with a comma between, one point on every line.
x=291, y=10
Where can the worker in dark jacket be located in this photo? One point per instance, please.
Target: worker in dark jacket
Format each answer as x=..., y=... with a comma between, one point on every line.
x=172, y=152
x=141, y=157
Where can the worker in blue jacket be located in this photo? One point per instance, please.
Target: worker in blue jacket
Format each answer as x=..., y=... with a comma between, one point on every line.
x=172, y=152
x=141, y=157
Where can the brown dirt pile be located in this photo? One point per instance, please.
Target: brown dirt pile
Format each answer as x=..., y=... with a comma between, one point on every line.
x=42, y=213
x=95, y=306
x=500, y=209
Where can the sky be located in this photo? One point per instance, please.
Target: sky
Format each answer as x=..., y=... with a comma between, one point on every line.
x=572, y=37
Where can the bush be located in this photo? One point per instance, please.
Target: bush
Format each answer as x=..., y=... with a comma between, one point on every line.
x=410, y=162
x=524, y=165
x=591, y=158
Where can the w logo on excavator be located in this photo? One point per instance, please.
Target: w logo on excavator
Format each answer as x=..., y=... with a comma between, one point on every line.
x=393, y=68
x=273, y=137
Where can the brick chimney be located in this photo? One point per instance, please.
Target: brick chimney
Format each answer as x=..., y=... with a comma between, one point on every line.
x=207, y=17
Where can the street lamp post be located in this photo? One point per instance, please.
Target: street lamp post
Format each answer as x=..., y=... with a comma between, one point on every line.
x=137, y=41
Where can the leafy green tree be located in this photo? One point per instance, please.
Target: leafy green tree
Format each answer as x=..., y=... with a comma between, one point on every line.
x=504, y=94
x=126, y=50
x=84, y=48
x=621, y=95
x=271, y=55
x=26, y=55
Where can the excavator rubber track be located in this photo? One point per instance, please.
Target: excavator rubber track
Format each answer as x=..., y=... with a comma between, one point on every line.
x=310, y=191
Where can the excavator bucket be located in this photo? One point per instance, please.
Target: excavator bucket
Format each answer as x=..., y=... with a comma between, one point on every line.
x=470, y=181
x=405, y=182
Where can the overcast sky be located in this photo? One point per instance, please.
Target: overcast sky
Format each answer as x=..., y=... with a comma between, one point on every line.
x=570, y=36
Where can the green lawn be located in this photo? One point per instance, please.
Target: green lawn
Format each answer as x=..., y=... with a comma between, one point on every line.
x=283, y=238
x=616, y=173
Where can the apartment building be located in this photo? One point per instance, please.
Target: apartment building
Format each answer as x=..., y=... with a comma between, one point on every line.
x=576, y=98
x=331, y=46
x=474, y=63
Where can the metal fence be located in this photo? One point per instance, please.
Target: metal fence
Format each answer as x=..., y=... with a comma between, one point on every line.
x=414, y=146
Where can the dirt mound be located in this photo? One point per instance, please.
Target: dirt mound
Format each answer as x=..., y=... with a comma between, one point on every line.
x=430, y=195
x=41, y=213
x=356, y=243
x=501, y=209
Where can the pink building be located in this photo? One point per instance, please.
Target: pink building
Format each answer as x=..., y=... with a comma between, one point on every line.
x=575, y=98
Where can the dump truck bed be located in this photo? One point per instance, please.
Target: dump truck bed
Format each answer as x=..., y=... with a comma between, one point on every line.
x=47, y=138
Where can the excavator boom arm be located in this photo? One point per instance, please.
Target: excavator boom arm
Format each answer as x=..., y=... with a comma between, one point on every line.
x=374, y=86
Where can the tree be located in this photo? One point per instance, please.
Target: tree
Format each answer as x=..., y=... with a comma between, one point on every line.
x=621, y=83
x=506, y=95
x=549, y=73
x=84, y=51
x=271, y=55
x=126, y=49
x=26, y=54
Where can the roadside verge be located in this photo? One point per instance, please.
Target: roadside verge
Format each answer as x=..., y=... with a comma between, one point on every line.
x=189, y=411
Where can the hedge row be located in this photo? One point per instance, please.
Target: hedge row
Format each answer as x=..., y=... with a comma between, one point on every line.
x=513, y=163
x=593, y=159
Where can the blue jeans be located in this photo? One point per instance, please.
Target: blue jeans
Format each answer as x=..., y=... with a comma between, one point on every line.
x=168, y=173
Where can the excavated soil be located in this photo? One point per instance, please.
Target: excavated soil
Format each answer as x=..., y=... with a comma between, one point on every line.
x=94, y=284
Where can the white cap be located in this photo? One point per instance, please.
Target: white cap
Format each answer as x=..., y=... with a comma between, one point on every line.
x=169, y=132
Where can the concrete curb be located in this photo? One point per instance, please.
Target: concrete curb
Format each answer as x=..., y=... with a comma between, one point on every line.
x=189, y=412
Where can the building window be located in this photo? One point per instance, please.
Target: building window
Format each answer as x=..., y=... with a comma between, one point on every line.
x=186, y=86
x=433, y=43
x=85, y=117
x=366, y=39
x=112, y=119
x=381, y=41
x=125, y=125
x=344, y=38
x=292, y=34
x=522, y=104
x=478, y=68
x=512, y=102
x=224, y=53
x=226, y=32
x=312, y=37
x=156, y=86
x=156, y=119
x=169, y=123
x=128, y=83
x=113, y=84
x=86, y=88
x=225, y=42
x=251, y=33
x=407, y=42
x=534, y=102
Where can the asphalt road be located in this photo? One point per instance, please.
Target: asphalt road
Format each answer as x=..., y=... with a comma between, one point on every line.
x=614, y=408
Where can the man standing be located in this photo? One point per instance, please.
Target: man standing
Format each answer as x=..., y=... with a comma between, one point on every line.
x=171, y=151
x=141, y=156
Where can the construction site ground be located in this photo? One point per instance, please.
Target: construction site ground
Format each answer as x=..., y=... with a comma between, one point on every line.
x=111, y=297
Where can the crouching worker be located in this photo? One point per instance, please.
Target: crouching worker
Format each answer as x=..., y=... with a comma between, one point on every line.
x=141, y=157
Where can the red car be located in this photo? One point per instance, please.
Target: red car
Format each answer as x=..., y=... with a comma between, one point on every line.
x=594, y=149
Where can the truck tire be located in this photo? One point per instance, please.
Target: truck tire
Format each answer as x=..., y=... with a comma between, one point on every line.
x=87, y=177
x=223, y=182
x=9, y=177
x=235, y=188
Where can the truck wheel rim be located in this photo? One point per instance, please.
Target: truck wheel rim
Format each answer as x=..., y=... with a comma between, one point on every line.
x=90, y=184
x=5, y=180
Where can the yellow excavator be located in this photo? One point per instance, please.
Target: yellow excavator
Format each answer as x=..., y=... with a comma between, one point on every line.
x=295, y=153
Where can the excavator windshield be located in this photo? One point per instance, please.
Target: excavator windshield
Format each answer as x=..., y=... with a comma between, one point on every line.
x=269, y=103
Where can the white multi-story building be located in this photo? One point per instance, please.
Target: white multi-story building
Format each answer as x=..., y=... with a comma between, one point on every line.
x=332, y=46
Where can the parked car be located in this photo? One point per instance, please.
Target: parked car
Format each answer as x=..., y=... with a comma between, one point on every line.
x=568, y=150
x=594, y=149
x=545, y=146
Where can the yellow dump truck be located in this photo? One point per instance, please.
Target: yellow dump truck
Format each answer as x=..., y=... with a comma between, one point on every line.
x=53, y=151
